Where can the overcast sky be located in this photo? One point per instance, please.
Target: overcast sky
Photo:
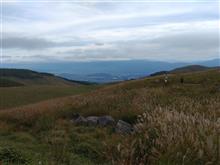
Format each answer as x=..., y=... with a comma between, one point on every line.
x=88, y=31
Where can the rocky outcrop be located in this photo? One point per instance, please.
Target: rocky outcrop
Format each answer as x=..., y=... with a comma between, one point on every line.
x=93, y=120
x=123, y=127
x=106, y=120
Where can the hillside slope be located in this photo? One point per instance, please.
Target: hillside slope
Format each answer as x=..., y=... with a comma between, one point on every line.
x=22, y=87
x=24, y=77
x=185, y=69
x=180, y=121
x=190, y=68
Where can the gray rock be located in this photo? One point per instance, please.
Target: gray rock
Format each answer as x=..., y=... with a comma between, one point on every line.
x=92, y=120
x=106, y=121
x=123, y=127
x=80, y=121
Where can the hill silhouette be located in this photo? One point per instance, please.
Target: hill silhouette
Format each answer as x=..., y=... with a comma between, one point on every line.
x=185, y=69
x=25, y=77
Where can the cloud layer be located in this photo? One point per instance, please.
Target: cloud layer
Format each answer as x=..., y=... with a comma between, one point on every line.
x=84, y=31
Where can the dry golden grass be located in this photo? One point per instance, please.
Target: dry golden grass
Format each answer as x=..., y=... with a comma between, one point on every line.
x=165, y=135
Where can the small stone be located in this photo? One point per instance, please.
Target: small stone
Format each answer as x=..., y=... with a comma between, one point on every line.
x=123, y=127
x=80, y=121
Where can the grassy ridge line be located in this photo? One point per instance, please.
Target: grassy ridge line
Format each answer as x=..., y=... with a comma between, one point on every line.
x=112, y=99
x=30, y=78
x=149, y=82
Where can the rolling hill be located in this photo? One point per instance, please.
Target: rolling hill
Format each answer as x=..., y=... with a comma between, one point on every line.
x=185, y=69
x=176, y=122
x=24, y=77
x=190, y=68
x=20, y=87
x=113, y=70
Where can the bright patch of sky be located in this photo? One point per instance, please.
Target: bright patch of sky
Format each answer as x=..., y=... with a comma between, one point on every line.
x=109, y=30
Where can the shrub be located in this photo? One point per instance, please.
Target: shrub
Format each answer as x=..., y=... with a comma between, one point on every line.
x=11, y=155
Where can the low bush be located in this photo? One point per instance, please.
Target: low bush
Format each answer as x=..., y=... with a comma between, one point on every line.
x=13, y=156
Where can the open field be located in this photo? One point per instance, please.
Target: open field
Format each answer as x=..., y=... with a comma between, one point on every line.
x=178, y=124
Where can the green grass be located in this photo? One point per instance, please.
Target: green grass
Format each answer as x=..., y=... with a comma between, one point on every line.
x=18, y=96
x=9, y=83
x=63, y=143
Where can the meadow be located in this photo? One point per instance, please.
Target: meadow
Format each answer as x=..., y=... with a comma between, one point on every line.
x=177, y=123
x=22, y=95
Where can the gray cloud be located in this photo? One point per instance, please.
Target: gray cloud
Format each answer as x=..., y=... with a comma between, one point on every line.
x=26, y=43
x=35, y=43
x=195, y=40
x=185, y=46
x=95, y=31
x=181, y=45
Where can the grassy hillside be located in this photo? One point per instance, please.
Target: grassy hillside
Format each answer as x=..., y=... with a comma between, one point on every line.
x=21, y=87
x=185, y=69
x=178, y=124
x=18, y=96
x=190, y=68
x=4, y=82
x=24, y=77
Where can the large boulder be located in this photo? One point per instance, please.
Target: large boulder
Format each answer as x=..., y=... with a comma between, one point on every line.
x=106, y=121
x=123, y=127
x=92, y=120
x=80, y=121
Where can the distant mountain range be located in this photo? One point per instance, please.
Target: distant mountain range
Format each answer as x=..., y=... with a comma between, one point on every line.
x=108, y=71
